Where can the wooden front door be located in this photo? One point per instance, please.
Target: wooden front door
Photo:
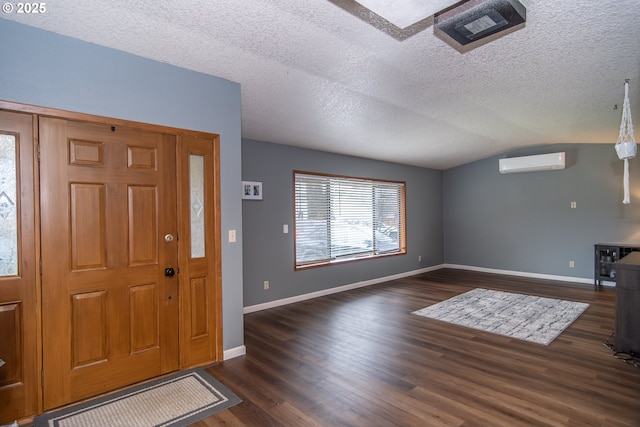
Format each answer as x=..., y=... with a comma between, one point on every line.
x=19, y=377
x=108, y=222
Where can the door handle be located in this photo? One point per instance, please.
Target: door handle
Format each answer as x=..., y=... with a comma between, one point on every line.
x=169, y=272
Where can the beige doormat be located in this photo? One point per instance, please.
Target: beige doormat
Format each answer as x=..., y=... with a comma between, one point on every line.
x=177, y=400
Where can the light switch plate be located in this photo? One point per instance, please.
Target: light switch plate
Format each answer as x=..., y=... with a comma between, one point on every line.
x=232, y=236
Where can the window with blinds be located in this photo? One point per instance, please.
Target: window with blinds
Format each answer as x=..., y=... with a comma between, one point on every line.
x=343, y=218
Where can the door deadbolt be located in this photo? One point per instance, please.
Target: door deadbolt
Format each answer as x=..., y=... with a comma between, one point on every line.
x=168, y=238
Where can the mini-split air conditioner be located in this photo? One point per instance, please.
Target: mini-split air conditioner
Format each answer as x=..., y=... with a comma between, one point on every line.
x=540, y=162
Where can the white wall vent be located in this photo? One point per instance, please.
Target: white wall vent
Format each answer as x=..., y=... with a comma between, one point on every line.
x=540, y=162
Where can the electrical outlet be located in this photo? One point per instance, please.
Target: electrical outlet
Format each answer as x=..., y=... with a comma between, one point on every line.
x=419, y=258
x=266, y=285
x=574, y=205
x=572, y=264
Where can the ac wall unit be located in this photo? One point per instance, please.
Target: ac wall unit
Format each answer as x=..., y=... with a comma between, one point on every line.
x=540, y=162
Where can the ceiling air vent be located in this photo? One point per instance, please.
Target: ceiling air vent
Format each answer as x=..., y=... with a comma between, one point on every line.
x=476, y=19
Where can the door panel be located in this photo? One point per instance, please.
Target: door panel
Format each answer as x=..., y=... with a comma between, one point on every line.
x=143, y=238
x=19, y=315
x=87, y=226
x=88, y=328
x=144, y=317
x=110, y=315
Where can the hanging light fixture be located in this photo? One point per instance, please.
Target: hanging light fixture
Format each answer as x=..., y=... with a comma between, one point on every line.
x=626, y=145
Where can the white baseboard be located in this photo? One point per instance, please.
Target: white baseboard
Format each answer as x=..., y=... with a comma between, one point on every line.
x=520, y=273
x=234, y=352
x=298, y=298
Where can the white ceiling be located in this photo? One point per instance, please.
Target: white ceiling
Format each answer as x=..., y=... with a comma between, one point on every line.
x=314, y=75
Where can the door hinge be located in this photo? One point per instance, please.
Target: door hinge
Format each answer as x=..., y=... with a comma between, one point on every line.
x=42, y=378
x=38, y=152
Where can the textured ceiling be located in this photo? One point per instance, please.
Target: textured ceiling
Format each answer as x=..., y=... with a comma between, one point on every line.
x=314, y=75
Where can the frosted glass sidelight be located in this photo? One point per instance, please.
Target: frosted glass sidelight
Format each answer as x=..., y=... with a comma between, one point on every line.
x=196, y=189
x=8, y=207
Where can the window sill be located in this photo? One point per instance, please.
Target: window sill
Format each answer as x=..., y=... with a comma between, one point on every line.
x=345, y=260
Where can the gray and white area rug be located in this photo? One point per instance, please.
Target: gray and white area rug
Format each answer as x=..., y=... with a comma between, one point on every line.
x=526, y=317
x=177, y=400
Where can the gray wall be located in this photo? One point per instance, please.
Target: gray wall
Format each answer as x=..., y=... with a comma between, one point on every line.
x=469, y=215
x=268, y=253
x=523, y=222
x=46, y=69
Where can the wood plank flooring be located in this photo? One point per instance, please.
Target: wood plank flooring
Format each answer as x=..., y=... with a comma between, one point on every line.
x=359, y=358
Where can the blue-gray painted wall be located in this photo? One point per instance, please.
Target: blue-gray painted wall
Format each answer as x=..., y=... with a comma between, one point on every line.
x=46, y=69
x=268, y=252
x=524, y=222
x=469, y=215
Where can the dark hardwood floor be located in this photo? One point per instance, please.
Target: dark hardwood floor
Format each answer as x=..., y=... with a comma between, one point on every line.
x=359, y=358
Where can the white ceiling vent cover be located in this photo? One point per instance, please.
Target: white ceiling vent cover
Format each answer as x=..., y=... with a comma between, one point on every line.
x=541, y=162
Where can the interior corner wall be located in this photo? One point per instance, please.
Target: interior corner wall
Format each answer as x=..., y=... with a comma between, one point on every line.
x=524, y=222
x=45, y=69
x=268, y=253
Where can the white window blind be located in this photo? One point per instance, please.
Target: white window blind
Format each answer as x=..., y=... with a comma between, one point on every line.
x=341, y=218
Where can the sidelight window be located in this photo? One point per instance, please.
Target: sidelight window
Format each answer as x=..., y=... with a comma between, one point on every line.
x=196, y=186
x=8, y=206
